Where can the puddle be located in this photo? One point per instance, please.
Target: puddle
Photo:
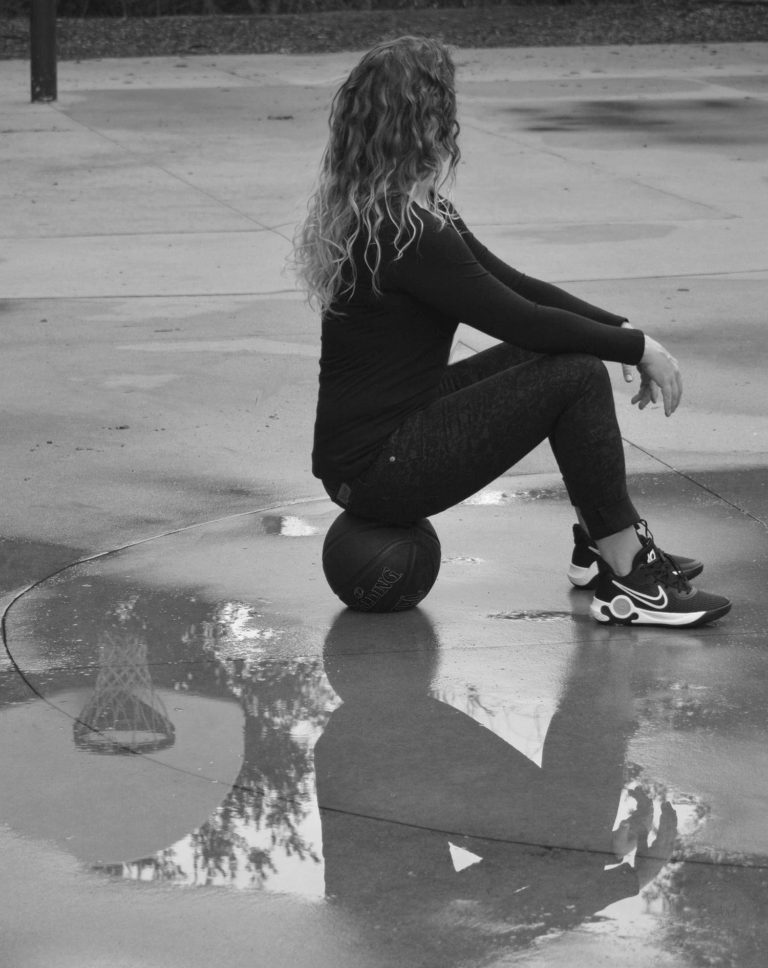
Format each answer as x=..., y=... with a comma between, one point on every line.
x=288, y=525
x=499, y=498
x=533, y=616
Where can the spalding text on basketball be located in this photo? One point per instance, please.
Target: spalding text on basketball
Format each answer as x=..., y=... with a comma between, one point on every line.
x=381, y=586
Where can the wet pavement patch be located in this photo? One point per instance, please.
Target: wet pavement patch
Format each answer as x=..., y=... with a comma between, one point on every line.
x=701, y=124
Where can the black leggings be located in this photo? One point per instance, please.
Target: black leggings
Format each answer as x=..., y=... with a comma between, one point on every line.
x=493, y=409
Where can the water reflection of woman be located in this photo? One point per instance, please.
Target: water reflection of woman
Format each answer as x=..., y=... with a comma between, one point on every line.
x=401, y=776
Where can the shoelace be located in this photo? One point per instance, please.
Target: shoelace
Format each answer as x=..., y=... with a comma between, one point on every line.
x=664, y=572
x=662, y=569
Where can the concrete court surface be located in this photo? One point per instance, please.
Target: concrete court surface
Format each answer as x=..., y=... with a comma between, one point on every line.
x=487, y=763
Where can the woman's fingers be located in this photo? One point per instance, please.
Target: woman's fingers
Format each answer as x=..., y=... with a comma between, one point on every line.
x=660, y=374
x=670, y=394
x=668, y=397
x=674, y=391
x=648, y=393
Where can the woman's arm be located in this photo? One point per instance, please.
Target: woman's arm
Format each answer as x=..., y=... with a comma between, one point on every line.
x=440, y=270
x=543, y=293
x=659, y=371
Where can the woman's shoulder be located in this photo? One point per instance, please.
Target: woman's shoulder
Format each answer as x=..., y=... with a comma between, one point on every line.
x=441, y=230
x=451, y=214
x=441, y=221
x=409, y=233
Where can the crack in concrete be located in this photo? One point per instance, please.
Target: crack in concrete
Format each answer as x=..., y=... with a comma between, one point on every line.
x=196, y=188
x=700, y=484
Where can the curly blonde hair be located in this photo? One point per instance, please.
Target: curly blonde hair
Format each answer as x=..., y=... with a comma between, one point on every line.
x=392, y=126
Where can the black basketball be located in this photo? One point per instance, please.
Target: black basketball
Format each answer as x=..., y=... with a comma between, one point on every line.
x=375, y=567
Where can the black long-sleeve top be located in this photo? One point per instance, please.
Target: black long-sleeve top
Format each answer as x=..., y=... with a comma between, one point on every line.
x=383, y=355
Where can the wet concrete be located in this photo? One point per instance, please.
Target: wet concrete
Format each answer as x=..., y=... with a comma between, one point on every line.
x=207, y=759
x=448, y=779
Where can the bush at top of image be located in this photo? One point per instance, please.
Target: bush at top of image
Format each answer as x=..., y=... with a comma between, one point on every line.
x=186, y=8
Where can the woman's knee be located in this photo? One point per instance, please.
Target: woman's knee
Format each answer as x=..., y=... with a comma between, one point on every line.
x=587, y=370
x=498, y=359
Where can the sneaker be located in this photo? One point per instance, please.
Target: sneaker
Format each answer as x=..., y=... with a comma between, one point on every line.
x=653, y=593
x=585, y=561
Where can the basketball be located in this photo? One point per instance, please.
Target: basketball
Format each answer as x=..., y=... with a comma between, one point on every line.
x=376, y=567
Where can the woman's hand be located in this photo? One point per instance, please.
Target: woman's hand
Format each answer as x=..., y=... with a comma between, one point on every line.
x=659, y=372
x=649, y=860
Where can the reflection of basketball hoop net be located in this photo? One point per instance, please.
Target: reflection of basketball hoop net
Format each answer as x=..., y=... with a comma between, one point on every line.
x=124, y=714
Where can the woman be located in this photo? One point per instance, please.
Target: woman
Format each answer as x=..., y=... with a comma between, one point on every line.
x=401, y=434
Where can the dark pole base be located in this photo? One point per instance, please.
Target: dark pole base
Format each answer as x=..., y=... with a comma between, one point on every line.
x=42, y=32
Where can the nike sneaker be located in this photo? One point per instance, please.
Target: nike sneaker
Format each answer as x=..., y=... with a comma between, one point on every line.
x=653, y=593
x=585, y=561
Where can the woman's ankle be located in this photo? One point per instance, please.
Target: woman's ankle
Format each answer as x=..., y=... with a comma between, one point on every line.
x=618, y=550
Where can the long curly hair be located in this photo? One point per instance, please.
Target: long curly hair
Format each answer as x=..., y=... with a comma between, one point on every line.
x=392, y=127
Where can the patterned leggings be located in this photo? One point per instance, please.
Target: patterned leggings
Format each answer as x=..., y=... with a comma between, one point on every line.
x=493, y=409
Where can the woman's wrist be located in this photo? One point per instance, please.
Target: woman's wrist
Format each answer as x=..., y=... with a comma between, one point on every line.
x=651, y=346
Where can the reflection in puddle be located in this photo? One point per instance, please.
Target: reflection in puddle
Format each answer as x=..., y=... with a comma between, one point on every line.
x=287, y=525
x=404, y=798
x=265, y=834
x=498, y=498
x=431, y=820
x=124, y=714
x=236, y=630
x=368, y=779
x=533, y=616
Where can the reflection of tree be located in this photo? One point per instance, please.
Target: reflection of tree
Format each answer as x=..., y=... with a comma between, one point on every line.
x=716, y=902
x=160, y=867
x=286, y=704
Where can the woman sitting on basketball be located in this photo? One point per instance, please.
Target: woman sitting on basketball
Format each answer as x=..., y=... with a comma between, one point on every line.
x=401, y=434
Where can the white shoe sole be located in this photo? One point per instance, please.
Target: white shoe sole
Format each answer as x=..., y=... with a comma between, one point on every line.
x=630, y=614
x=582, y=577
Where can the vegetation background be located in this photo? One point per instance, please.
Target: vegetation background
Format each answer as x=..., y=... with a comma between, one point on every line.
x=142, y=28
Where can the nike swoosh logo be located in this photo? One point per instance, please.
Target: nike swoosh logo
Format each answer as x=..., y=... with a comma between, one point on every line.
x=655, y=601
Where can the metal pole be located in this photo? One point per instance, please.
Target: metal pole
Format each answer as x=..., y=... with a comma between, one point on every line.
x=42, y=34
